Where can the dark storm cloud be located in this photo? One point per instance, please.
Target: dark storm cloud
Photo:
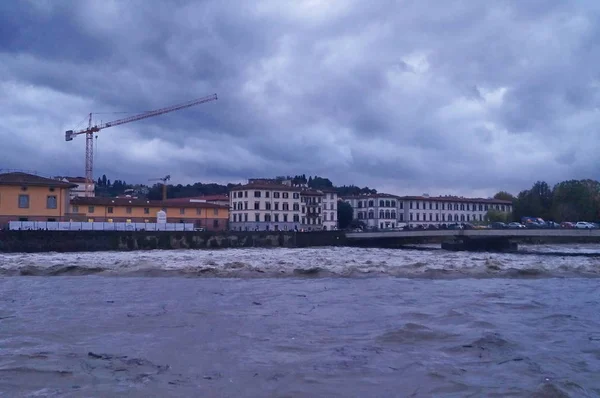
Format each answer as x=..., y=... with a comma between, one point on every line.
x=410, y=97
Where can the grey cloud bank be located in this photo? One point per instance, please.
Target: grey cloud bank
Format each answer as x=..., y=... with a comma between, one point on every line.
x=404, y=96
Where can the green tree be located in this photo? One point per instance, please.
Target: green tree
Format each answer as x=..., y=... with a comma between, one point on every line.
x=344, y=214
x=535, y=202
x=493, y=215
x=503, y=195
x=576, y=200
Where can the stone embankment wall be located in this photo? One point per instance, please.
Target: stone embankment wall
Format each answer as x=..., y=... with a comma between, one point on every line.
x=73, y=241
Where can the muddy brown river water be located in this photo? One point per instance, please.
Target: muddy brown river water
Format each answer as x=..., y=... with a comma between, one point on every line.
x=325, y=322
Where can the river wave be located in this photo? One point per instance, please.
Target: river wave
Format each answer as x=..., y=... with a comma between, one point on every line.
x=424, y=262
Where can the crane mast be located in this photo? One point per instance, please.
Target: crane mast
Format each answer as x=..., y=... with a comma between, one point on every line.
x=90, y=130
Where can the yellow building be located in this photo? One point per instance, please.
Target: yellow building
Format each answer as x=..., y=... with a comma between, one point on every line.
x=28, y=197
x=210, y=216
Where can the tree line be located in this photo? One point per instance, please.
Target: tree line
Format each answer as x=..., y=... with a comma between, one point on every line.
x=104, y=187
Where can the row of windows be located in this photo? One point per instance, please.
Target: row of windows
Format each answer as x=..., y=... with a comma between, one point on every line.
x=276, y=218
x=268, y=206
x=443, y=217
x=363, y=215
x=460, y=207
x=129, y=210
x=382, y=203
x=51, y=202
x=258, y=194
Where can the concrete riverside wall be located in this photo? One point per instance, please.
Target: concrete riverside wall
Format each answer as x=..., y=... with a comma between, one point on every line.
x=73, y=241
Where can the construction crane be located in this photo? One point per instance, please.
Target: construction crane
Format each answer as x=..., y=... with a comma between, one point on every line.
x=90, y=130
x=164, y=184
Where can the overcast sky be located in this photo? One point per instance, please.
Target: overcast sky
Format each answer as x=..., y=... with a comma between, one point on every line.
x=407, y=96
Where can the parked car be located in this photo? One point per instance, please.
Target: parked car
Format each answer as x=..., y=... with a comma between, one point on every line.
x=583, y=225
x=567, y=225
x=498, y=225
x=515, y=225
x=535, y=225
x=552, y=224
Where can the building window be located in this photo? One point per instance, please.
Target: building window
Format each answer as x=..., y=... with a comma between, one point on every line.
x=276, y=217
x=296, y=195
x=393, y=215
x=381, y=203
x=268, y=206
x=110, y=210
x=23, y=201
x=387, y=203
x=276, y=205
x=245, y=205
x=285, y=195
x=51, y=202
x=267, y=194
x=257, y=217
x=216, y=223
x=411, y=216
x=286, y=206
x=215, y=212
x=296, y=218
x=245, y=194
x=381, y=214
x=418, y=205
x=147, y=210
x=245, y=217
x=128, y=210
x=296, y=207
x=418, y=215
x=276, y=195
x=257, y=194
x=371, y=215
x=411, y=205
x=393, y=203
x=90, y=210
x=285, y=218
x=75, y=209
x=256, y=205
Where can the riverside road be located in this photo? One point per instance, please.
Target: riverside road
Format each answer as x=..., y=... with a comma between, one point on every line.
x=478, y=233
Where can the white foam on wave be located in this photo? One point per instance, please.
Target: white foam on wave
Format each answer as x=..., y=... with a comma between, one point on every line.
x=335, y=261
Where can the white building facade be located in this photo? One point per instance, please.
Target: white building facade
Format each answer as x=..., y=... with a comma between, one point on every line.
x=381, y=211
x=424, y=210
x=330, y=203
x=260, y=206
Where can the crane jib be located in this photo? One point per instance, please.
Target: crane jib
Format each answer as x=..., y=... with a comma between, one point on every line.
x=89, y=154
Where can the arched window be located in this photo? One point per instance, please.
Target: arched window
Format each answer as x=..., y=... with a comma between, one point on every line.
x=456, y=207
x=456, y=217
x=387, y=214
x=462, y=217
x=370, y=203
x=393, y=215
x=381, y=203
x=332, y=217
x=324, y=216
x=371, y=214
x=381, y=214
x=387, y=203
